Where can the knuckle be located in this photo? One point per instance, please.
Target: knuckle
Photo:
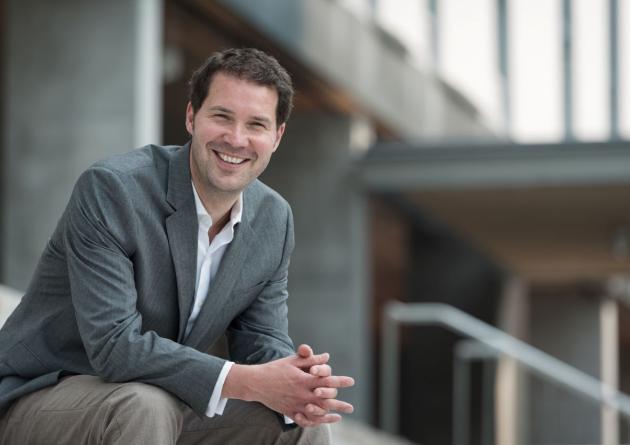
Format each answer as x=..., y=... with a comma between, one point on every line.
x=304, y=379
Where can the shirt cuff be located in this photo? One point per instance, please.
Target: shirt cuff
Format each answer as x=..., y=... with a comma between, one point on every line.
x=217, y=404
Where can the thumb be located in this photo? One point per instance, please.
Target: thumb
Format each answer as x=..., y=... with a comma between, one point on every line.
x=304, y=351
x=305, y=363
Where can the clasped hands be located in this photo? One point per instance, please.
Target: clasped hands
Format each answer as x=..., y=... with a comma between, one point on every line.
x=301, y=387
x=325, y=406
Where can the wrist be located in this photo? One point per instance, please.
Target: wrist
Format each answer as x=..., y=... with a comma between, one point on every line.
x=240, y=383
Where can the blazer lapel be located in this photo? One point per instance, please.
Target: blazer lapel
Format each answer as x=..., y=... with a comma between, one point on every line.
x=221, y=286
x=182, y=227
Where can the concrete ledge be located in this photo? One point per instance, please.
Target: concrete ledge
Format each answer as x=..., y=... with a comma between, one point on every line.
x=9, y=299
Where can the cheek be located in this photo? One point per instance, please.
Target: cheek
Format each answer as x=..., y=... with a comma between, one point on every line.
x=266, y=146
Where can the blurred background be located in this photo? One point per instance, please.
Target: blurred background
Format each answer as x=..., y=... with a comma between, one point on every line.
x=471, y=153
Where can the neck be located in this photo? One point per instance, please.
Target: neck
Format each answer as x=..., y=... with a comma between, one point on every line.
x=218, y=204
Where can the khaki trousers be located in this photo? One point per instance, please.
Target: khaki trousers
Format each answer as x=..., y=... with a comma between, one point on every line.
x=85, y=410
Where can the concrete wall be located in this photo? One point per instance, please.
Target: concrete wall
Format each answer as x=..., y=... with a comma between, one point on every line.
x=69, y=74
x=357, y=57
x=329, y=300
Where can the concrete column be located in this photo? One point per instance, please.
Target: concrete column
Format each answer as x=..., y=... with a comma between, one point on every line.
x=328, y=303
x=71, y=86
x=609, y=359
x=569, y=328
x=510, y=409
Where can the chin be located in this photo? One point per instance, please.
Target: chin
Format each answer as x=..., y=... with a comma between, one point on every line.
x=230, y=188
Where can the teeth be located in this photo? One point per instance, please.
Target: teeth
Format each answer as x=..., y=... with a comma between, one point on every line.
x=231, y=159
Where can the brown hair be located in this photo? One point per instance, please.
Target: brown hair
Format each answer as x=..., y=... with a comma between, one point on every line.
x=248, y=64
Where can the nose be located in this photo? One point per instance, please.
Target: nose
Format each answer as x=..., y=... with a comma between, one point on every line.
x=236, y=136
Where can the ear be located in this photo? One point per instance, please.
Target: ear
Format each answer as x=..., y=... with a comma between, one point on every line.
x=279, y=133
x=190, y=117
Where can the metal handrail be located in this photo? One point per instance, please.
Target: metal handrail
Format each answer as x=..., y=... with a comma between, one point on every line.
x=537, y=361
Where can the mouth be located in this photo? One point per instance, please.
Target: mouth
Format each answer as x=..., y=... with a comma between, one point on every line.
x=230, y=159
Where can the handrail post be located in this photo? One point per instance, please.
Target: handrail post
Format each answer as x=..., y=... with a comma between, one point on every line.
x=390, y=371
x=461, y=401
x=487, y=402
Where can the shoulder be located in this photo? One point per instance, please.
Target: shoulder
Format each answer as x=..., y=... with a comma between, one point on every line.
x=146, y=159
x=144, y=170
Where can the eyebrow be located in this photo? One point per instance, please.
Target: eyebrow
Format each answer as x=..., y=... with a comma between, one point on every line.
x=262, y=120
x=222, y=109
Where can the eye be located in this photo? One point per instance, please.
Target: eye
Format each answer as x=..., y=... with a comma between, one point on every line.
x=258, y=125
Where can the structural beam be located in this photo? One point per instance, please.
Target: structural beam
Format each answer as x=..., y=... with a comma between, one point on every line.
x=403, y=167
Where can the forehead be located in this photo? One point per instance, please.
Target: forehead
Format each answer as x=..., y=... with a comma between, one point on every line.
x=240, y=95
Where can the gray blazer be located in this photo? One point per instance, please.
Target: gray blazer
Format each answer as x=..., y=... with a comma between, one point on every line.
x=114, y=287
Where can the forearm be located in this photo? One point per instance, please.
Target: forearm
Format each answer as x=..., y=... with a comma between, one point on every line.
x=220, y=395
x=240, y=383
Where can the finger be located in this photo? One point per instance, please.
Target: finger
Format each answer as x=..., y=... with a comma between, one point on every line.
x=302, y=421
x=314, y=410
x=305, y=421
x=321, y=371
x=326, y=393
x=304, y=351
x=335, y=405
x=335, y=381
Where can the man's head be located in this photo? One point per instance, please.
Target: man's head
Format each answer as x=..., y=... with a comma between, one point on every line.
x=248, y=64
x=240, y=100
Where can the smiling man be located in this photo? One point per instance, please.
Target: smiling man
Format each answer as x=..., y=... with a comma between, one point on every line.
x=159, y=253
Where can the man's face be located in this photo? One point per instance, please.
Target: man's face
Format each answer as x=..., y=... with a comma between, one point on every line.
x=234, y=133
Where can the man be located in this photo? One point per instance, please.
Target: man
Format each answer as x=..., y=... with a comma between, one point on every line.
x=160, y=252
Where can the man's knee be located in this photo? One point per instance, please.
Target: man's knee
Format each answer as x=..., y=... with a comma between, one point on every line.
x=145, y=412
x=142, y=397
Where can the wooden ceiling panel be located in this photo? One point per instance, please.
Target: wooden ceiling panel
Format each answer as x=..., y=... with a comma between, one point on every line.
x=540, y=232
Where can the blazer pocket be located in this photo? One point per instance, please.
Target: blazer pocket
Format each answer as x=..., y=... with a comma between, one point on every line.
x=24, y=362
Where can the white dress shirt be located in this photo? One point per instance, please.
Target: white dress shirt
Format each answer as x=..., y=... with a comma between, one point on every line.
x=209, y=255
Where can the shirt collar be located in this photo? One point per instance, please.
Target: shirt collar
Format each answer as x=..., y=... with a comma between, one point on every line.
x=203, y=215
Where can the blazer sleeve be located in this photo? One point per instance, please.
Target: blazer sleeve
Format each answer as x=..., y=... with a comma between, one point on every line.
x=260, y=333
x=99, y=238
